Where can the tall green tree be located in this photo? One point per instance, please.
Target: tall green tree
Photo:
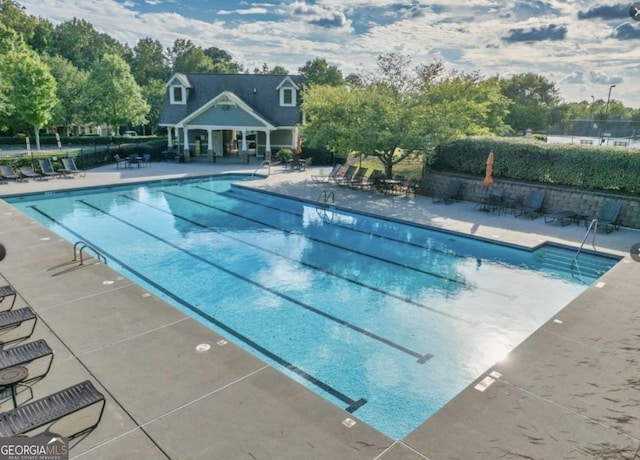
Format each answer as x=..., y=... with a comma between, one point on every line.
x=71, y=84
x=113, y=94
x=79, y=42
x=319, y=72
x=533, y=99
x=186, y=57
x=222, y=61
x=32, y=93
x=149, y=61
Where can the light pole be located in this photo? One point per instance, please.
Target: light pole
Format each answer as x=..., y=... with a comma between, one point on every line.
x=606, y=112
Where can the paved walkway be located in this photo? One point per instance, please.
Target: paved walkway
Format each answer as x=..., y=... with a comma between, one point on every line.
x=569, y=391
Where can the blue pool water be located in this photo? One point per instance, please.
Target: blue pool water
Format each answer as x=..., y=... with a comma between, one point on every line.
x=387, y=320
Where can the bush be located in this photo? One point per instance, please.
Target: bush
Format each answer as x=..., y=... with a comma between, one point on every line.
x=285, y=155
x=596, y=168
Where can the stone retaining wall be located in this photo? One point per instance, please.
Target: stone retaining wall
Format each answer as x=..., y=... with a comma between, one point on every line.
x=557, y=198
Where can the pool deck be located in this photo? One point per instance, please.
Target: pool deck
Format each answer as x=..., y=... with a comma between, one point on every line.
x=569, y=391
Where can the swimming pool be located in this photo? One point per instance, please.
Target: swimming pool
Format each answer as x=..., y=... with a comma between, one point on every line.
x=387, y=320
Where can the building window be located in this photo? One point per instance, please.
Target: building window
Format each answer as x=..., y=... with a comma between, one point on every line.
x=178, y=95
x=287, y=97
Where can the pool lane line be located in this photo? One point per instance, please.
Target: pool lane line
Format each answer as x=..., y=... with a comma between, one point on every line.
x=311, y=238
x=308, y=307
x=230, y=194
x=307, y=264
x=352, y=404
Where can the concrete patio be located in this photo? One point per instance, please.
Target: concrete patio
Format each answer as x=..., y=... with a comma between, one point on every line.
x=570, y=391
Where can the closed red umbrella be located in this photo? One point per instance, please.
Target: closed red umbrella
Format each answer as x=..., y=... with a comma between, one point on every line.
x=488, y=178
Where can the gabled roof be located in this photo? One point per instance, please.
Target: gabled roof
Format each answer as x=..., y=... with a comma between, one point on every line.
x=227, y=98
x=181, y=78
x=257, y=91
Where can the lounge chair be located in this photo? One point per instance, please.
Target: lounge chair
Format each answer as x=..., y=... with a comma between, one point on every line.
x=28, y=172
x=46, y=168
x=372, y=180
x=7, y=172
x=69, y=167
x=608, y=216
x=17, y=325
x=329, y=177
x=45, y=415
x=8, y=291
x=36, y=356
x=450, y=194
x=532, y=204
x=357, y=178
x=347, y=176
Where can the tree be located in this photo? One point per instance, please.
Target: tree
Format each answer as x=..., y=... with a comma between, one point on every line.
x=81, y=44
x=533, y=97
x=149, y=61
x=223, y=62
x=32, y=94
x=114, y=95
x=153, y=92
x=385, y=119
x=319, y=72
x=276, y=70
x=71, y=85
x=186, y=57
x=367, y=122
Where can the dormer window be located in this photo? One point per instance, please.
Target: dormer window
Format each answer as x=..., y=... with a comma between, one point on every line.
x=288, y=93
x=178, y=94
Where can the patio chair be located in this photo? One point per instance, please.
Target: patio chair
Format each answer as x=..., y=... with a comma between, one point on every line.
x=608, y=216
x=46, y=168
x=146, y=160
x=329, y=177
x=8, y=291
x=28, y=172
x=134, y=158
x=450, y=194
x=532, y=204
x=69, y=167
x=16, y=325
x=51, y=415
x=120, y=161
x=7, y=173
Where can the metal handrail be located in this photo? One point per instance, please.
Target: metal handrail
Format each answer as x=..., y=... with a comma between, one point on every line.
x=324, y=196
x=264, y=163
x=592, y=225
x=84, y=245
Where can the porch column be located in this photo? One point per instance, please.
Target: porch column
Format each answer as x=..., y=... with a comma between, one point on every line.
x=187, y=156
x=211, y=156
x=267, y=146
x=244, y=140
x=169, y=140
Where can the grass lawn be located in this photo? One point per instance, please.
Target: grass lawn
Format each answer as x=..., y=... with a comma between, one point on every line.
x=409, y=168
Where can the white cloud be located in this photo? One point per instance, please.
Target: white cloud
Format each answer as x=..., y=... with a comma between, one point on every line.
x=466, y=35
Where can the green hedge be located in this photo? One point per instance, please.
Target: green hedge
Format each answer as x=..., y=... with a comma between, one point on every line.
x=596, y=168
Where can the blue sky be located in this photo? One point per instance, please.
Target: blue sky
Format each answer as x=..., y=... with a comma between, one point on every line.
x=582, y=46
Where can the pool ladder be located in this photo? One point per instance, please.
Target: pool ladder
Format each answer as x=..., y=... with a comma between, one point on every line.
x=326, y=196
x=592, y=226
x=262, y=165
x=80, y=246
